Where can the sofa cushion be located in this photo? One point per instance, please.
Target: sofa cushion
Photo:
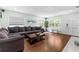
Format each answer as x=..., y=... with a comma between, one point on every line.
x=5, y=30
x=33, y=28
x=13, y=29
x=27, y=28
x=36, y=28
x=3, y=34
x=21, y=29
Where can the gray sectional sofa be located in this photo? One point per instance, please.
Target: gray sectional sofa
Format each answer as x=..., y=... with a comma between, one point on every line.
x=29, y=32
x=12, y=39
x=10, y=42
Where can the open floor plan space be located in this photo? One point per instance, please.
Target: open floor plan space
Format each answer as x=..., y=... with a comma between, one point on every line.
x=39, y=28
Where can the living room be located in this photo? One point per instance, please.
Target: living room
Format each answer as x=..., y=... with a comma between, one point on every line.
x=39, y=28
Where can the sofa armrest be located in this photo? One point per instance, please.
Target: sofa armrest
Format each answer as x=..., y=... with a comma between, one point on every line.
x=11, y=38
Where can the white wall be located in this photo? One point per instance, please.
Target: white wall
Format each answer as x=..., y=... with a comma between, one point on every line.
x=71, y=19
x=63, y=21
x=73, y=23
x=7, y=14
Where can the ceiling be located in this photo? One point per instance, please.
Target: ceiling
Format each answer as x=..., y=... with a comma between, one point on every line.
x=43, y=11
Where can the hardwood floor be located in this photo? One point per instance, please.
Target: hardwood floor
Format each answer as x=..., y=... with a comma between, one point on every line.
x=54, y=42
x=38, y=47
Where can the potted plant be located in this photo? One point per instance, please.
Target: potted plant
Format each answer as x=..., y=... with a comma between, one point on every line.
x=46, y=24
